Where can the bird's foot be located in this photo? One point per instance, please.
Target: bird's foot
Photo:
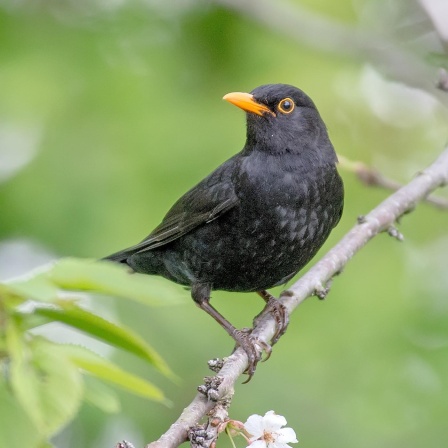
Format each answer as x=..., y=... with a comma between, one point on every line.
x=243, y=338
x=278, y=312
x=253, y=348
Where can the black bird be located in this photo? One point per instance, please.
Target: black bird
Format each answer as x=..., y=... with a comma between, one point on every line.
x=256, y=220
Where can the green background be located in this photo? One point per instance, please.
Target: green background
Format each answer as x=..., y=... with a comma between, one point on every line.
x=114, y=109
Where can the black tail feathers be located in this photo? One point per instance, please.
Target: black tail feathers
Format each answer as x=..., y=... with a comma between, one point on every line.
x=119, y=257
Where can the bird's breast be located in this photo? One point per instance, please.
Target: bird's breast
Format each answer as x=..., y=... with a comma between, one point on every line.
x=281, y=221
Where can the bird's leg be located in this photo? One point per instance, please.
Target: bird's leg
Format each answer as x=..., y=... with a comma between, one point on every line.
x=278, y=311
x=243, y=338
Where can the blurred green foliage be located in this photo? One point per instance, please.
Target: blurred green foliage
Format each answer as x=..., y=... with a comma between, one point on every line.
x=109, y=111
x=41, y=383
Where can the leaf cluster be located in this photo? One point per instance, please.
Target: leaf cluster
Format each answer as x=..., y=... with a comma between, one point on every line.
x=43, y=382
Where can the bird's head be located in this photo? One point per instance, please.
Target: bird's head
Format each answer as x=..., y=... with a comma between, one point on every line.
x=281, y=118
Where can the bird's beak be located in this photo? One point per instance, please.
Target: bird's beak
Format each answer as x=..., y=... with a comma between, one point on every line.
x=247, y=102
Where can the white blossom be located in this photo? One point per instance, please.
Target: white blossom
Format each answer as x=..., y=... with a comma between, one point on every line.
x=267, y=431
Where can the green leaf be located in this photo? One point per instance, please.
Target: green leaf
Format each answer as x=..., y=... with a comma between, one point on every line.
x=108, y=371
x=114, y=279
x=100, y=328
x=47, y=384
x=36, y=287
x=17, y=430
x=29, y=320
x=101, y=396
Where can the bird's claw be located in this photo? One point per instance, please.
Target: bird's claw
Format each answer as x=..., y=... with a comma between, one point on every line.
x=281, y=316
x=253, y=348
x=279, y=312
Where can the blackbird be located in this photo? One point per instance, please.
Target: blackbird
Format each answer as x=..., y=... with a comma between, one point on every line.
x=256, y=220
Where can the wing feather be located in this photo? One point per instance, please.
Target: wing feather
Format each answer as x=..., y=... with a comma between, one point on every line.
x=205, y=202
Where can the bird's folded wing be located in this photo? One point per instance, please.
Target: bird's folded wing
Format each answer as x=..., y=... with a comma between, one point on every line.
x=177, y=224
x=205, y=202
x=212, y=197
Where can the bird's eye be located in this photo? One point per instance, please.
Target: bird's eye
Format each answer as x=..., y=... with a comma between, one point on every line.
x=286, y=105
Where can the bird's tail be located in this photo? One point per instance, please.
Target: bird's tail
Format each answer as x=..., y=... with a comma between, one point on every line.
x=119, y=257
x=148, y=262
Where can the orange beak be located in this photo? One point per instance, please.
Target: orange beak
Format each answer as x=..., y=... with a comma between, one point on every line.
x=247, y=102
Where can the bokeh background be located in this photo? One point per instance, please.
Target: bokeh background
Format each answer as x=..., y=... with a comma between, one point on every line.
x=111, y=109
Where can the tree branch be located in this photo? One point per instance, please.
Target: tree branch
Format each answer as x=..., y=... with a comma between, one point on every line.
x=217, y=393
x=372, y=177
x=325, y=34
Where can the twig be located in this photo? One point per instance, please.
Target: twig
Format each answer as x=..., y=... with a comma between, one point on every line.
x=372, y=177
x=316, y=279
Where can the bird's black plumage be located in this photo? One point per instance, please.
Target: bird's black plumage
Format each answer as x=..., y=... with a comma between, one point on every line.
x=261, y=216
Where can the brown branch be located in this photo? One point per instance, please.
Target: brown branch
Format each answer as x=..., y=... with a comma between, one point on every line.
x=219, y=389
x=372, y=177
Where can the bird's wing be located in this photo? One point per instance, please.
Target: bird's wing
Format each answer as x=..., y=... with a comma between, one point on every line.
x=198, y=206
x=204, y=203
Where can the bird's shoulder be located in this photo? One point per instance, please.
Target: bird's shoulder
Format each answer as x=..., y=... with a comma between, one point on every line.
x=214, y=191
x=203, y=203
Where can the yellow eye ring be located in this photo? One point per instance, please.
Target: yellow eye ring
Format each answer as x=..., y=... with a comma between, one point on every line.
x=286, y=106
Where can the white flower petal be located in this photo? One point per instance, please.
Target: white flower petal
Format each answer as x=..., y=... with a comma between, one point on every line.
x=254, y=426
x=279, y=445
x=258, y=444
x=273, y=422
x=286, y=435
